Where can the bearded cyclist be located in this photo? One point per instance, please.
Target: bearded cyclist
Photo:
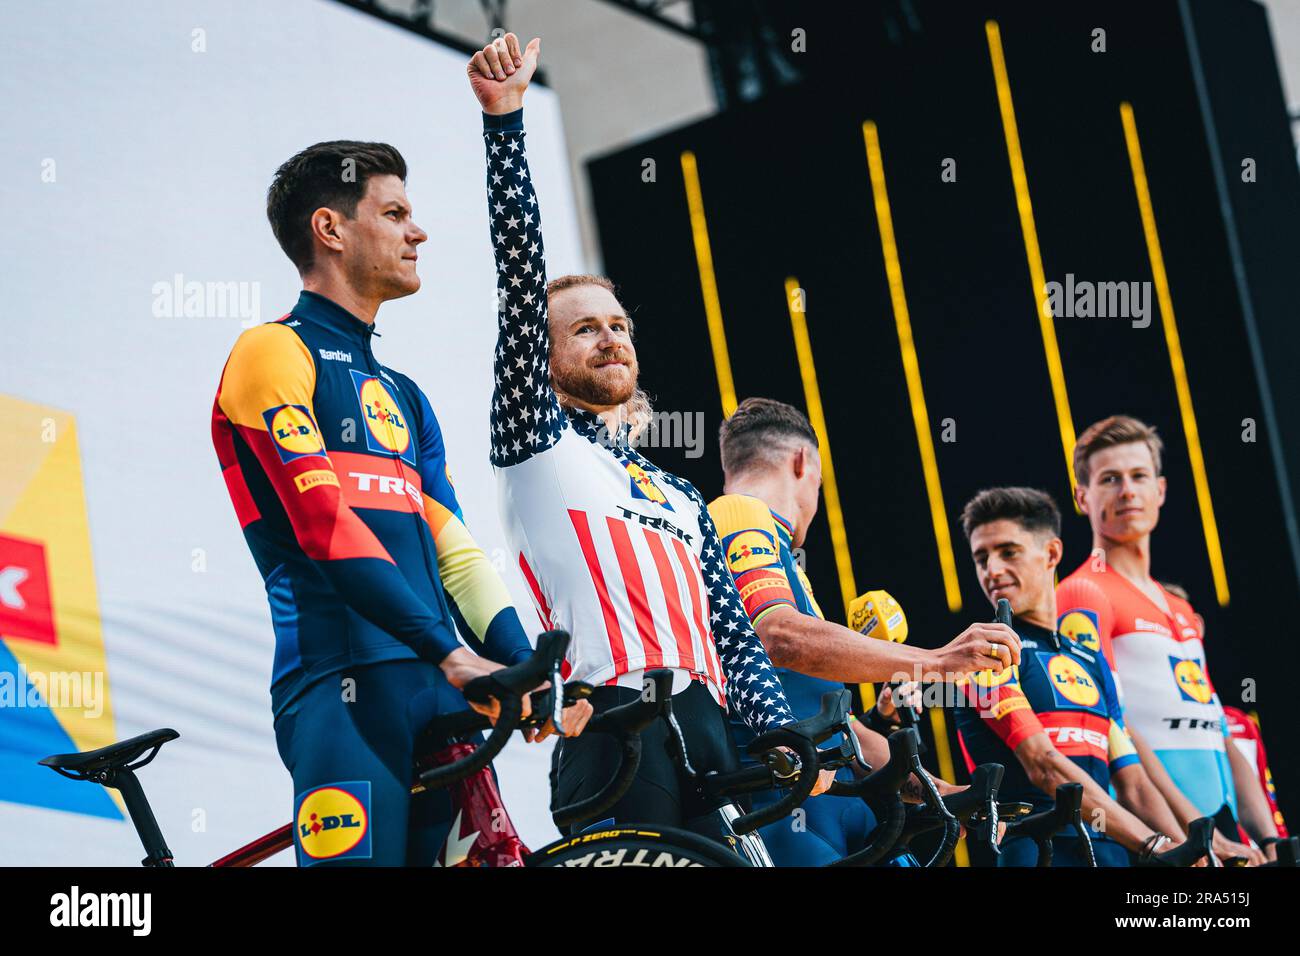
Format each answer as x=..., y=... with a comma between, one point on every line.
x=618, y=552
x=337, y=471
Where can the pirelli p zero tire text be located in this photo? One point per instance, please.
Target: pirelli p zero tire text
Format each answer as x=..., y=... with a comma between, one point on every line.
x=644, y=847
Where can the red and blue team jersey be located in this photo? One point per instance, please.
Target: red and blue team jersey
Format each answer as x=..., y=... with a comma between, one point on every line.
x=757, y=549
x=1161, y=673
x=1060, y=688
x=336, y=467
x=1250, y=742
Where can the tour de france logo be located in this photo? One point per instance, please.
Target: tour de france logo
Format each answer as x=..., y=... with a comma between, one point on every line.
x=1072, y=682
x=293, y=432
x=333, y=822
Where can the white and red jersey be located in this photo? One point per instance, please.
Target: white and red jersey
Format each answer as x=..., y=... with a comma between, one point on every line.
x=1161, y=673
x=617, y=552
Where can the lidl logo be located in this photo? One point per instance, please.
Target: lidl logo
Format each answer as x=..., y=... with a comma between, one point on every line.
x=387, y=427
x=293, y=432
x=751, y=549
x=1071, y=682
x=1080, y=626
x=1191, y=680
x=333, y=822
x=644, y=487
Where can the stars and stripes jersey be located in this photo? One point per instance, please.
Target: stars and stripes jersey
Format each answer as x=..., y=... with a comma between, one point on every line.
x=617, y=552
x=757, y=544
x=1247, y=738
x=1161, y=674
x=338, y=473
x=1060, y=688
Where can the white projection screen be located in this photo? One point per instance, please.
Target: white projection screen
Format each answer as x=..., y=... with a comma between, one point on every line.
x=136, y=146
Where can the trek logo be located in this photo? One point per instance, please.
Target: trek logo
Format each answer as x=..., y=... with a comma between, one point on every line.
x=387, y=429
x=750, y=549
x=661, y=524
x=1194, y=723
x=387, y=485
x=1192, y=683
x=333, y=822
x=1071, y=682
x=1078, y=735
x=644, y=487
x=335, y=355
x=293, y=432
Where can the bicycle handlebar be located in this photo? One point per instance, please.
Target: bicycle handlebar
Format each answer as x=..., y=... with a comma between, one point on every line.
x=1041, y=827
x=625, y=722
x=508, y=687
x=1200, y=838
x=802, y=737
x=880, y=789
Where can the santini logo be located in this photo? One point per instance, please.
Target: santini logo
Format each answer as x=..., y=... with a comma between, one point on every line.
x=103, y=909
x=335, y=355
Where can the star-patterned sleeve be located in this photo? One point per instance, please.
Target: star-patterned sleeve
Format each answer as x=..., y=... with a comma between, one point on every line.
x=752, y=685
x=526, y=416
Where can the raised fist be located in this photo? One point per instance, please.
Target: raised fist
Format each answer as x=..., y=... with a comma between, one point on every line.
x=499, y=73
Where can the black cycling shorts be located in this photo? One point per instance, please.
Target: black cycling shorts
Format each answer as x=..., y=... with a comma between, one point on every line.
x=661, y=793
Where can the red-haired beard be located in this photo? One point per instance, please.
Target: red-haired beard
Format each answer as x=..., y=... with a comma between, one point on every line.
x=593, y=387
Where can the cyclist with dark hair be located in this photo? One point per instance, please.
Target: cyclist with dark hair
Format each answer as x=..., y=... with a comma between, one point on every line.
x=1055, y=718
x=338, y=474
x=772, y=488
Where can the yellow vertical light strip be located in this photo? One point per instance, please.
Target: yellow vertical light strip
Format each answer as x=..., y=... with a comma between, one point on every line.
x=1179, y=368
x=813, y=399
x=943, y=750
x=1055, y=370
x=912, y=369
x=708, y=283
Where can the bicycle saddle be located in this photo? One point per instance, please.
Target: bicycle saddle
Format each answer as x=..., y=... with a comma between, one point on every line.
x=113, y=757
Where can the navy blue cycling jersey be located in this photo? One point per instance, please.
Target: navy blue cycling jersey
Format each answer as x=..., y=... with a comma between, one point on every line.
x=1060, y=689
x=337, y=471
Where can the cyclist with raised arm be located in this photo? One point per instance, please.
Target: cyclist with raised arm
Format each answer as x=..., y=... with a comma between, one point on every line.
x=772, y=470
x=337, y=471
x=1152, y=638
x=1055, y=718
x=615, y=550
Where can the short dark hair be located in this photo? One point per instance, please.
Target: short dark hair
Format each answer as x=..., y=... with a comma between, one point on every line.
x=1032, y=509
x=332, y=174
x=1109, y=432
x=749, y=433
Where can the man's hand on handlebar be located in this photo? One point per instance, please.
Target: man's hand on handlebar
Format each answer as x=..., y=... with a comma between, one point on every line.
x=576, y=716
x=980, y=647
x=1224, y=848
x=909, y=692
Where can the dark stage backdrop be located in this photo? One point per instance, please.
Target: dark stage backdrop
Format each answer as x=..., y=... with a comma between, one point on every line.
x=786, y=192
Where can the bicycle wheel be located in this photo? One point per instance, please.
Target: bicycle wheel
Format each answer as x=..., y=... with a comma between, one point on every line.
x=645, y=846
